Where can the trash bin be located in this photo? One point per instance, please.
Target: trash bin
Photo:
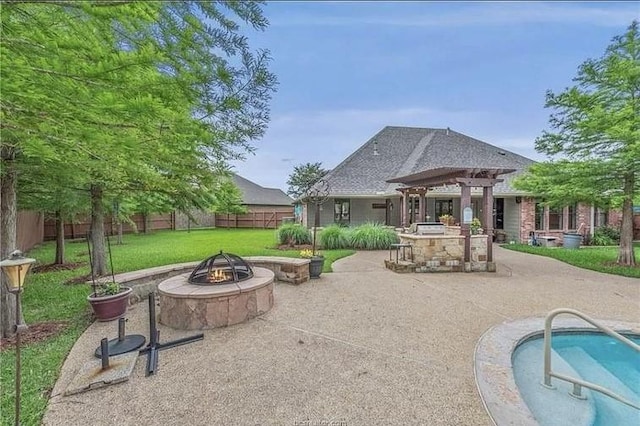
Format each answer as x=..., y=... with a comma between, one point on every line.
x=571, y=241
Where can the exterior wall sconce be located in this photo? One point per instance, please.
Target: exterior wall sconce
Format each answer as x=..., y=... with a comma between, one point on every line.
x=518, y=199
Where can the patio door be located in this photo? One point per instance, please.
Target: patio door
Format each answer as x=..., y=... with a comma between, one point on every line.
x=443, y=207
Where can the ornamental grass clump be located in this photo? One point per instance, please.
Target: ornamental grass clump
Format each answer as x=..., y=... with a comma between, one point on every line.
x=293, y=234
x=372, y=236
x=335, y=237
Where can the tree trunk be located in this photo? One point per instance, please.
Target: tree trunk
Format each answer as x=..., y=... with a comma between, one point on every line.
x=626, y=255
x=8, y=239
x=119, y=239
x=59, y=239
x=98, y=252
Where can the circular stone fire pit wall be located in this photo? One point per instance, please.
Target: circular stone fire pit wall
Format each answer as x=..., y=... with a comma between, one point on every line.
x=187, y=306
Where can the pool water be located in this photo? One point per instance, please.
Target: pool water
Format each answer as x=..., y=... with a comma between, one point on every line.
x=594, y=357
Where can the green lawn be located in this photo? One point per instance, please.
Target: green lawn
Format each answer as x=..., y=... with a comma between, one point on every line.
x=47, y=298
x=601, y=259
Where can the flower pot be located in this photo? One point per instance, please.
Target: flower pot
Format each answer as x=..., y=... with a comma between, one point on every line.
x=571, y=240
x=315, y=266
x=107, y=308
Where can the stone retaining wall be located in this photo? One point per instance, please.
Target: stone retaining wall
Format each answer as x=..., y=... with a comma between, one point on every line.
x=144, y=281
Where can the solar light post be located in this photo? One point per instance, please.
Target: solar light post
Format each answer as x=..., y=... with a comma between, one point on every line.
x=15, y=268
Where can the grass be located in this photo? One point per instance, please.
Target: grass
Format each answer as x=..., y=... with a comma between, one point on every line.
x=47, y=298
x=601, y=259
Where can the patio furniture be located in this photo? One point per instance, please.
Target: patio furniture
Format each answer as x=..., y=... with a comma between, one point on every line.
x=400, y=246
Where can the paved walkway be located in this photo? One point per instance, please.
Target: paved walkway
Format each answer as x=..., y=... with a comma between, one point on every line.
x=360, y=346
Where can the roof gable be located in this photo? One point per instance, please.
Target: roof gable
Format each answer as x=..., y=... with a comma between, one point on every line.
x=255, y=194
x=401, y=151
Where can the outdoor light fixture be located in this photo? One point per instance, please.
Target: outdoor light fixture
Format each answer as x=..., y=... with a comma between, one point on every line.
x=15, y=268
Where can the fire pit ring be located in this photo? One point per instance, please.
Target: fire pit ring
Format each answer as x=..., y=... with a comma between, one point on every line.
x=213, y=296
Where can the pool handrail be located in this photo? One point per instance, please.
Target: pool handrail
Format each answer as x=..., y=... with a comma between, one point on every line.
x=577, y=383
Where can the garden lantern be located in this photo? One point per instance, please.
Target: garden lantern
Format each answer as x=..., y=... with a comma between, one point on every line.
x=15, y=268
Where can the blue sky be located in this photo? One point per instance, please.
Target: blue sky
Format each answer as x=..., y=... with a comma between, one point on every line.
x=347, y=69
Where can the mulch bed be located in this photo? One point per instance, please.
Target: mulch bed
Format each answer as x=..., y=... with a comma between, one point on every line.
x=35, y=333
x=53, y=267
x=79, y=280
x=295, y=247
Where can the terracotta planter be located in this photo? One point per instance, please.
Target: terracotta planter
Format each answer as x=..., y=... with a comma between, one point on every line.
x=315, y=267
x=107, y=308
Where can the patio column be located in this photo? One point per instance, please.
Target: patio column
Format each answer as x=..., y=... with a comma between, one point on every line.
x=404, y=213
x=422, y=208
x=487, y=198
x=465, y=201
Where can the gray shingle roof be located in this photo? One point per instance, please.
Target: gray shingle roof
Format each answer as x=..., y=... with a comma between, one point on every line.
x=253, y=193
x=406, y=150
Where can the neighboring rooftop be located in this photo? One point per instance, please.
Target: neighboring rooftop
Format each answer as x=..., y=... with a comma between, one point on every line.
x=254, y=194
x=400, y=151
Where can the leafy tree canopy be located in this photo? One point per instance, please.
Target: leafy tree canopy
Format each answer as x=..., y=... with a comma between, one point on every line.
x=594, y=147
x=303, y=177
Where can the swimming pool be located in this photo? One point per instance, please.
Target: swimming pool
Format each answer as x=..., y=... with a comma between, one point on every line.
x=587, y=355
x=505, y=400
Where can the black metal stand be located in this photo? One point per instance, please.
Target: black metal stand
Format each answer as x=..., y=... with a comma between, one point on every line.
x=122, y=344
x=154, y=335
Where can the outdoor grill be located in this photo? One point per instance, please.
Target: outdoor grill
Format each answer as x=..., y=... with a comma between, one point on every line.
x=221, y=268
x=430, y=228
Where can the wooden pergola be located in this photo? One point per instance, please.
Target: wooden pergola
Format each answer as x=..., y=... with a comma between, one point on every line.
x=465, y=178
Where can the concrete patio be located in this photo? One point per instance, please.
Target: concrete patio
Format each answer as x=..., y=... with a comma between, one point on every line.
x=360, y=346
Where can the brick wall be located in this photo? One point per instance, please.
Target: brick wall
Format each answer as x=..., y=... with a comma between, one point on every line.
x=527, y=220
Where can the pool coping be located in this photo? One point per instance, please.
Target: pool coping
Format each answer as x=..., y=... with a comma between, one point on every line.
x=493, y=367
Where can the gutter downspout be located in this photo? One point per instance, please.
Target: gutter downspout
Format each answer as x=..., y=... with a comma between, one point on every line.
x=593, y=220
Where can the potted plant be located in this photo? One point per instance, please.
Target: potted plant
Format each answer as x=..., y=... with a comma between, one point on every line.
x=316, y=262
x=476, y=226
x=109, y=300
x=447, y=220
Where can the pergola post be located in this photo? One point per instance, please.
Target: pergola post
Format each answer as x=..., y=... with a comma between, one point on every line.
x=487, y=198
x=405, y=208
x=422, y=207
x=465, y=201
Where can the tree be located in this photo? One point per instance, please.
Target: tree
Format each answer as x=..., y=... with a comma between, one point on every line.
x=596, y=138
x=303, y=177
x=145, y=97
x=228, y=199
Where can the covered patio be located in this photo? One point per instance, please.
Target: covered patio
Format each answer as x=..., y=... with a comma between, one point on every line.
x=451, y=253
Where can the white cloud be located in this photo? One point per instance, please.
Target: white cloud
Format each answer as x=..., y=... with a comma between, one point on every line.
x=330, y=136
x=479, y=14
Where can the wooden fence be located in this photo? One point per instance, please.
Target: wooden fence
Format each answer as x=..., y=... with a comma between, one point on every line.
x=29, y=229
x=255, y=219
x=79, y=228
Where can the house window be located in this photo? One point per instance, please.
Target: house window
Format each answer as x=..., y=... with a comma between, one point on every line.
x=573, y=216
x=555, y=218
x=342, y=211
x=601, y=217
x=539, y=215
x=498, y=213
x=443, y=207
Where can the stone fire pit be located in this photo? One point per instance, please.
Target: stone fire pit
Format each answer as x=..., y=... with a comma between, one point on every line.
x=189, y=303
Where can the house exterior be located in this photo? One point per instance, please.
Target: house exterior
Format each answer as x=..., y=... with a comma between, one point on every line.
x=360, y=189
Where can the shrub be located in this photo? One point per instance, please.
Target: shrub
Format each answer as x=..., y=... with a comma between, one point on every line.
x=372, y=236
x=293, y=234
x=334, y=237
x=606, y=236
